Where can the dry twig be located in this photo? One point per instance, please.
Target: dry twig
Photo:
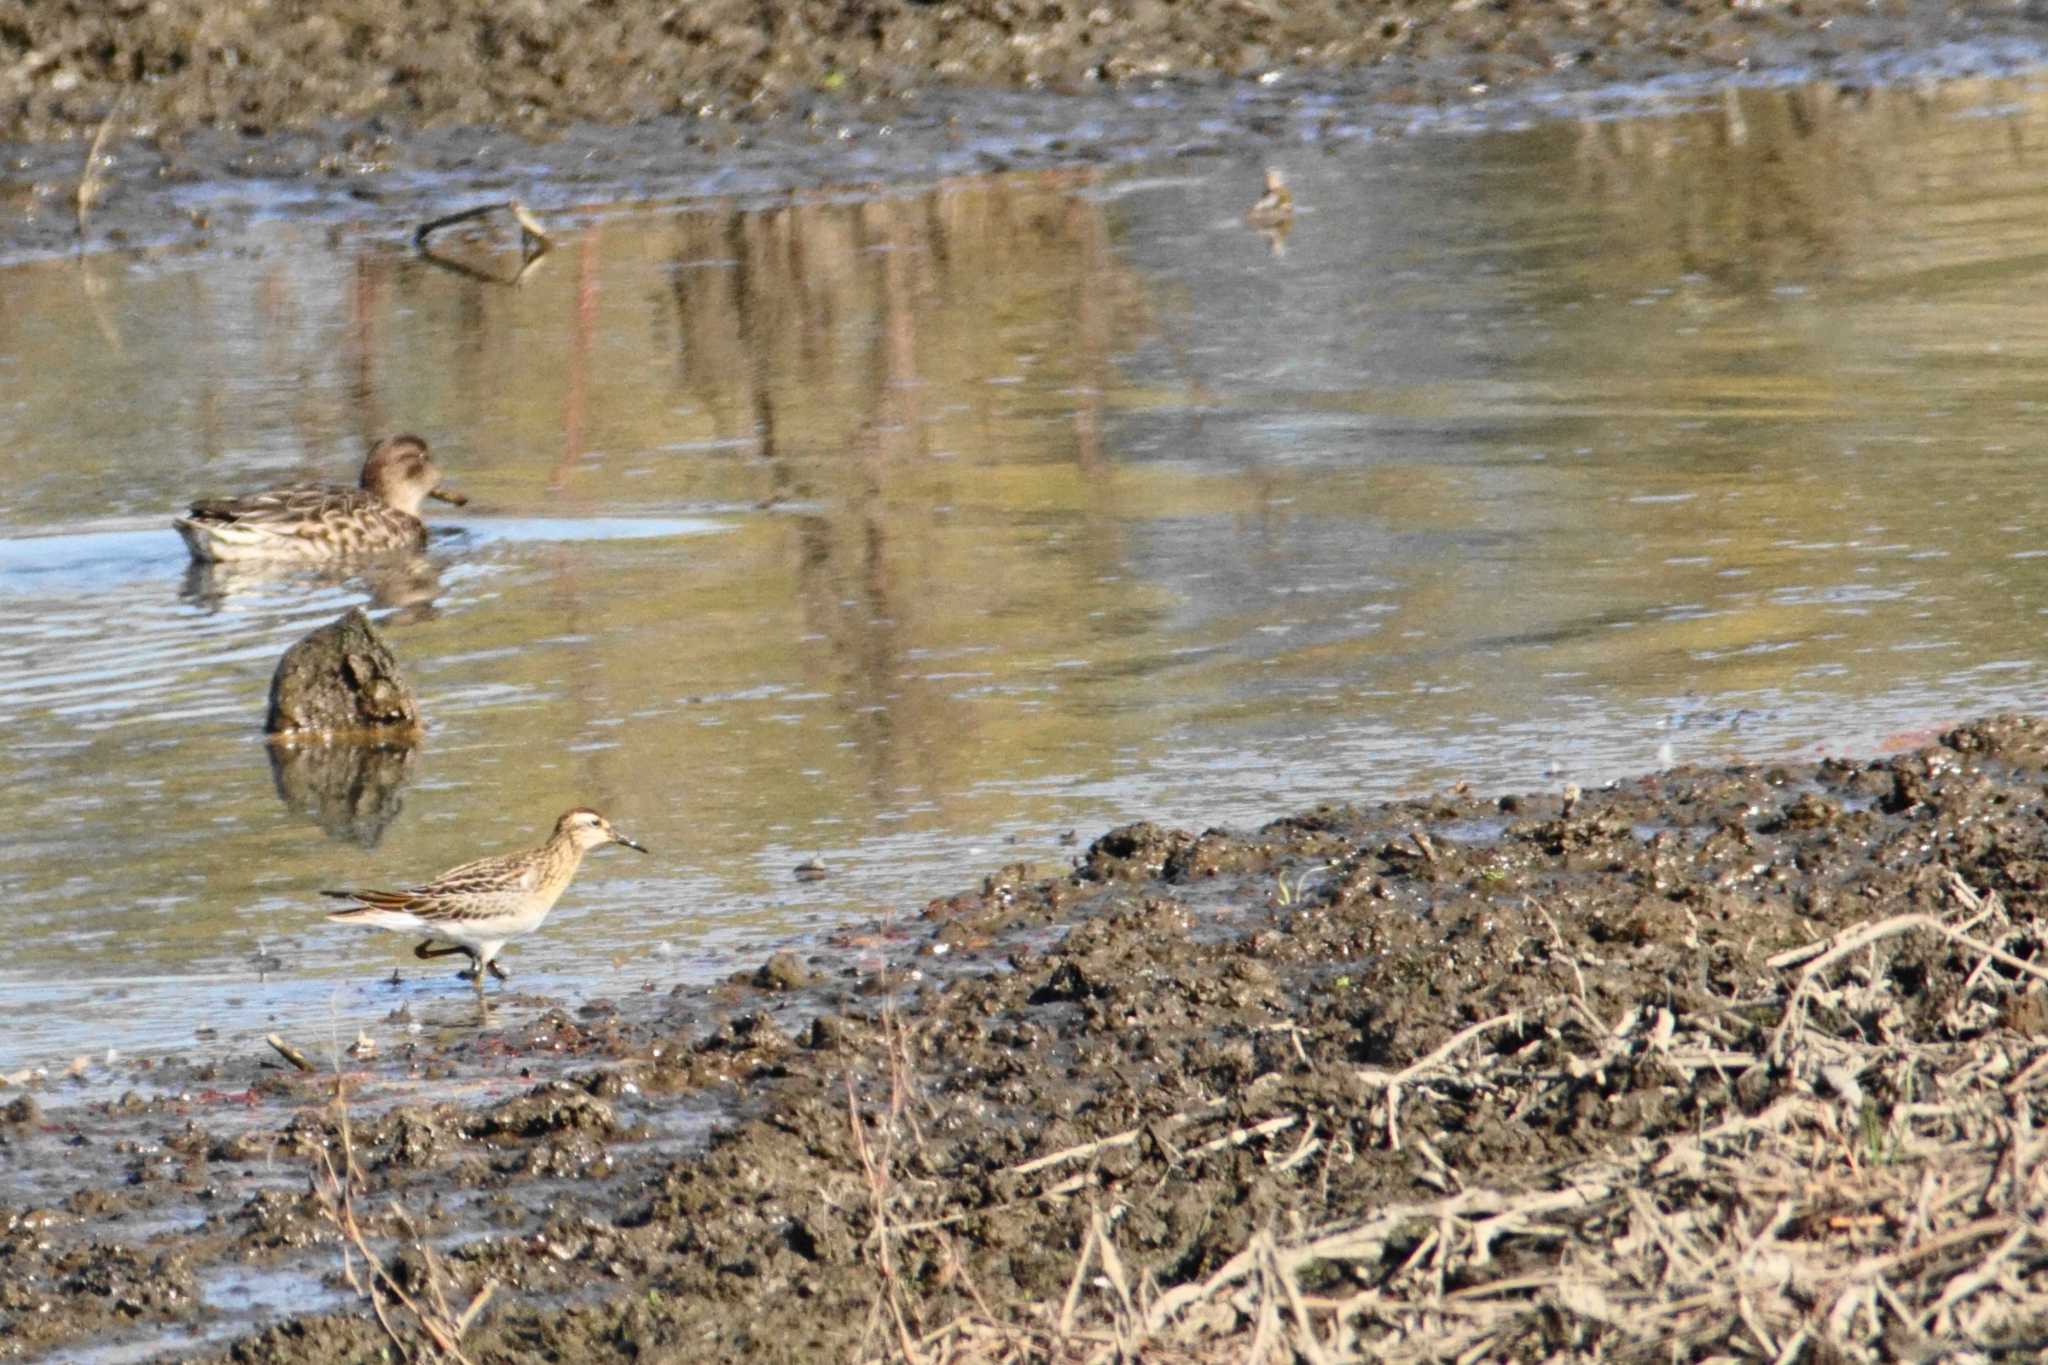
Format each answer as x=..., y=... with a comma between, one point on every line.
x=89, y=178
x=534, y=241
x=288, y=1052
x=416, y=1330
x=1805, y=1225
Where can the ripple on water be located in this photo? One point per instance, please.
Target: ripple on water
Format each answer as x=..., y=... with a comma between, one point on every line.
x=1052, y=501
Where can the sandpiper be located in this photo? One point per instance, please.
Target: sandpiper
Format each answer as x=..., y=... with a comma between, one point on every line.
x=1276, y=206
x=476, y=907
x=311, y=523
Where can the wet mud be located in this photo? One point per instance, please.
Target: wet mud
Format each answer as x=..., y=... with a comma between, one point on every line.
x=1061, y=1098
x=254, y=69
x=1068, y=1101
x=170, y=124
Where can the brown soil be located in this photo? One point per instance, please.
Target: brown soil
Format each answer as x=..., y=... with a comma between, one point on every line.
x=155, y=125
x=1694, y=1065
x=184, y=64
x=1740, y=1061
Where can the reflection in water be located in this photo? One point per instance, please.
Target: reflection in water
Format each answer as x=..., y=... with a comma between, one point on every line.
x=1049, y=501
x=1274, y=235
x=350, y=790
x=403, y=583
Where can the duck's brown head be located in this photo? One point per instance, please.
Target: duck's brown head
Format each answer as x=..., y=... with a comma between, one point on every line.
x=401, y=472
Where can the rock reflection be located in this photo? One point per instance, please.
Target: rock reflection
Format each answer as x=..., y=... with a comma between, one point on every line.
x=350, y=790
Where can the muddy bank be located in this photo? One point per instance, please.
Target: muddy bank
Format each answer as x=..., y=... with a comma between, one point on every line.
x=1717, y=1060
x=185, y=64
x=381, y=116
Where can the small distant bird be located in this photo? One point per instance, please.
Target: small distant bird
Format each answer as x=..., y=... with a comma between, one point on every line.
x=1275, y=206
x=314, y=523
x=473, y=909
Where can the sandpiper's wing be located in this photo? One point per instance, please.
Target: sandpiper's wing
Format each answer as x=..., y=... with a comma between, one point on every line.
x=378, y=900
x=475, y=890
x=519, y=872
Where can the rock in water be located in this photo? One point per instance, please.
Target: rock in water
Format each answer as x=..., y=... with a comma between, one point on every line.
x=342, y=681
x=342, y=728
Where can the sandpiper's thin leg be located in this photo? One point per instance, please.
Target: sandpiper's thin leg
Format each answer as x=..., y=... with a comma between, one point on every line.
x=498, y=971
x=427, y=950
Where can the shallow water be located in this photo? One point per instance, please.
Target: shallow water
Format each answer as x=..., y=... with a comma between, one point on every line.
x=912, y=531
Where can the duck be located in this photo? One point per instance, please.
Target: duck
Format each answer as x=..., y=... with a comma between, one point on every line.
x=319, y=523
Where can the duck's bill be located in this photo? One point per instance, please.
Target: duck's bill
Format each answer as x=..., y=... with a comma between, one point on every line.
x=619, y=838
x=450, y=495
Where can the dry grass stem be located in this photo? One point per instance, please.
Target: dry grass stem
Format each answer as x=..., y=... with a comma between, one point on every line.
x=90, y=178
x=288, y=1052
x=1391, y=1083
x=417, y=1329
x=1882, y=1193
